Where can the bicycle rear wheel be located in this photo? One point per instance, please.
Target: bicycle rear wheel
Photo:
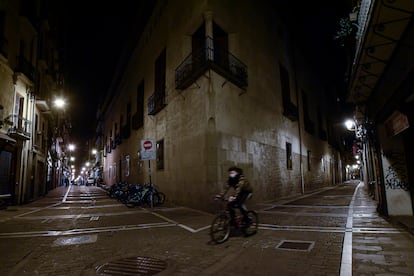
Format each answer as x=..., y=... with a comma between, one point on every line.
x=253, y=224
x=161, y=197
x=220, y=228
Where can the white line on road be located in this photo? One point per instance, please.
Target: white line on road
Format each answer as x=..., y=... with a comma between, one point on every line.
x=84, y=230
x=83, y=215
x=346, y=263
x=188, y=228
x=301, y=228
x=66, y=195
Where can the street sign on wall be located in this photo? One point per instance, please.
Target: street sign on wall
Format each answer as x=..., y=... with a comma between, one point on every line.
x=148, y=149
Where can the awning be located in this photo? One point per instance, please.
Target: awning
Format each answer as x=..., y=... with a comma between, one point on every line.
x=6, y=137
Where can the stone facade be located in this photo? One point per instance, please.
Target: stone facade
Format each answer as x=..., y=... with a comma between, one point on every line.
x=26, y=84
x=216, y=120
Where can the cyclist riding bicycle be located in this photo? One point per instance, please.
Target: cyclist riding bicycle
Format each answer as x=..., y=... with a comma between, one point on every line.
x=242, y=188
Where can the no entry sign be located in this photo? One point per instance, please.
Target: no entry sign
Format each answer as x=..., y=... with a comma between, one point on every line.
x=148, y=148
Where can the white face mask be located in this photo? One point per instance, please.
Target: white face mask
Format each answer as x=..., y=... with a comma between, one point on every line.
x=232, y=174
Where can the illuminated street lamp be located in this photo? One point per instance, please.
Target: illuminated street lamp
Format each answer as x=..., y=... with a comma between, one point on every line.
x=350, y=125
x=59, y=103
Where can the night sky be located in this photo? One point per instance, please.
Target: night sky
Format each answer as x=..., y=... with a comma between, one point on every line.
x=93, y=35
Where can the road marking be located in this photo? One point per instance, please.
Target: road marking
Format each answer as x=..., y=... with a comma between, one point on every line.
x=85, y=230
x=66, y=195
x=82, y=215
x=63, y=241
x=346, y=262
x=304, y=214
x=37, y=210
x=188, y=228
x=301, y=228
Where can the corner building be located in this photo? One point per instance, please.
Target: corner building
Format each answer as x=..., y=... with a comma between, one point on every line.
x=217, y=84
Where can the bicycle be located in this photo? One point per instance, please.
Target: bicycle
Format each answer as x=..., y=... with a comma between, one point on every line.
x=221, y=227
x=145, y=194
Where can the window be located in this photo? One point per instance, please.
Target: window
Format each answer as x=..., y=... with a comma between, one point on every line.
x=127, y=126
x=115, y=141
x=140, y=163
x=309, y=160
x=285, y=84
x=127, y=165
x=160, y=155
x=138, y=118
x=289, y=109
x=36, y=131
x=309, y=125
x=288, y=156
x=156, y=102
x=112, y=171
x=321, y=130
x=221, y=46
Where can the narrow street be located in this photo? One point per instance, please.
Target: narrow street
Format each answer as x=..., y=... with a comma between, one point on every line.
x=79, y=230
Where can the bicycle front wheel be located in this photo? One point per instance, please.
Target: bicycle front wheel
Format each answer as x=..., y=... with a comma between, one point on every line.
x=220, y=228
x=252, y=224
x=156, y=199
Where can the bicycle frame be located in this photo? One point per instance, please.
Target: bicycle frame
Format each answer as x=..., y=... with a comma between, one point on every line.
x=221, y=227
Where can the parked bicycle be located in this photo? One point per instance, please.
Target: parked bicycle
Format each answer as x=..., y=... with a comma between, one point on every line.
x=145, y=195
x=221, y=227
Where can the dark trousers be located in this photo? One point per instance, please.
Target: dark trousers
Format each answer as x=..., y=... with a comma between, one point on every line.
x=238, y=203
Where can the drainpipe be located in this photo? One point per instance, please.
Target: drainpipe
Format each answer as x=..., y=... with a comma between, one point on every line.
x=302, y=181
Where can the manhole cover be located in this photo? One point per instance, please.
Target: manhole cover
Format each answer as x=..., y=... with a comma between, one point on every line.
x=296, y=245
x=132, y=266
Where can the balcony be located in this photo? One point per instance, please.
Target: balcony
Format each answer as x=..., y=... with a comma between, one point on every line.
x=4, y=49
x=290, y=111
x=220, y=60
x=309, y=126
x=25, y=67
x=323, y=135
x=156, y=102
x=137, y=120
x=20, y=128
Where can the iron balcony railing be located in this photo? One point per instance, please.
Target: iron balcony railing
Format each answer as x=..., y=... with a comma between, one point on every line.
x=4, y=48
x=156, y=102
x=25, y=67
x=214, y=57
x=19, y=126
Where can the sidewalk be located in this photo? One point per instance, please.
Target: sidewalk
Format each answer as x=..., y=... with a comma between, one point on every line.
x=407, y=222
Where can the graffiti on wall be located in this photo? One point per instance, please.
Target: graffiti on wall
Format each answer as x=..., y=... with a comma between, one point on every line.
x=395, y=174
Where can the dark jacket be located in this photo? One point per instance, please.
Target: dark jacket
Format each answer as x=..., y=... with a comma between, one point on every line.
x=242, y=186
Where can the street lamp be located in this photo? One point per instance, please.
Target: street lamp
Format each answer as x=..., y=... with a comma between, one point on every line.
x=350, y=125
x=59, y=102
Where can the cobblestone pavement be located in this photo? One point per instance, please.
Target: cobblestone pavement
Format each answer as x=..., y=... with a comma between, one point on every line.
x=78, y=230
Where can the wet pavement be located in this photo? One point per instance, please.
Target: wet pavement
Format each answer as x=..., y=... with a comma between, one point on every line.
x=81, y=231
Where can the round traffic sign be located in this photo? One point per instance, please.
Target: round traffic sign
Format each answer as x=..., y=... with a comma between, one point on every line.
x=147, y=145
